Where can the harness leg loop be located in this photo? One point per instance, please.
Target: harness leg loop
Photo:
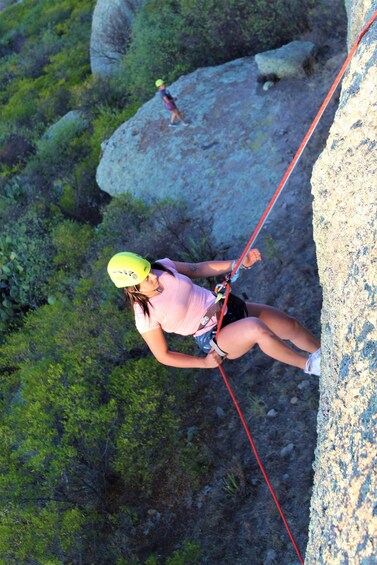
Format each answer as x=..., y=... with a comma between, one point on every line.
x=214, y=346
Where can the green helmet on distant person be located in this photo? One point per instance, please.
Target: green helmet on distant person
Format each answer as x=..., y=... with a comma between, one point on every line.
x=128, y=269
x=159, y=82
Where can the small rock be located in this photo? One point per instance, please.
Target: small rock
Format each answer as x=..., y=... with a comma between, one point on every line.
x=271, y=413
x=303, y=384
x=287, y=450
x=220, y=412
x=294, y=400
x=267, y=85
x=154, y=514
x=270, y=557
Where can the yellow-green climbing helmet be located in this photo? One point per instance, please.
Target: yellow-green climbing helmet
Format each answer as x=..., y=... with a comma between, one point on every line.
x=159, y=83
x=128, y=269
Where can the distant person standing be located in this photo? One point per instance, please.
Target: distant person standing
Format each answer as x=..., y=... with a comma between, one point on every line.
x=170, y=104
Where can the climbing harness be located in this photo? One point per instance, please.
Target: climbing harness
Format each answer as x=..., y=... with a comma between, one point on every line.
x=224, y=292
x=213, y=344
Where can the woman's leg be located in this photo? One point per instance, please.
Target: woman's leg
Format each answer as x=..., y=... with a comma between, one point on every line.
x=177, y=114
x=284, y=326
x=268, y=327
x=238, y=338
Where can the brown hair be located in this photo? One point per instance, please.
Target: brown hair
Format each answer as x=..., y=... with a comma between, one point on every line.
x=139, y=298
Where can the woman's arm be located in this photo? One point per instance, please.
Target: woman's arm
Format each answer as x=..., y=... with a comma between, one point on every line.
x=156, y=342
x=215, y=268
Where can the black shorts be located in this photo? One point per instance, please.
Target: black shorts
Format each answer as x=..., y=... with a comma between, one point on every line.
x=237, y=310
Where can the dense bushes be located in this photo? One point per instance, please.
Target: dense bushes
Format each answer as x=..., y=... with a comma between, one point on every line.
x=88, y=419
x=26, y=256
x=186, y=34
x=45, y=57
x=87, y=423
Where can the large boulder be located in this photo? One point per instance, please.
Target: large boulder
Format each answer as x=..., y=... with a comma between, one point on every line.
x=226, y=165
x=343, y=525
x=293, y=60
x=111, y=27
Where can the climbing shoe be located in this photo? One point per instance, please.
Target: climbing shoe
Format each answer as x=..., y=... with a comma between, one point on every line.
x=313, y=364
x=172, y=125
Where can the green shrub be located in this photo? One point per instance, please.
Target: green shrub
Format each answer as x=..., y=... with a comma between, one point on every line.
x=72, y=241
x=172, y=37
x=85, y=414
x=25, y=264
x=105, y=123
x=49, y=42
x=61, y=146
x=126, y=221
x=15, y=149
x=191, y=554
x=30, y=534
x=98, y=93
x=156, y=48
x=148, y=424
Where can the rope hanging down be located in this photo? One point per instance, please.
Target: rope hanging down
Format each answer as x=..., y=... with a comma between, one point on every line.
x=252, y=239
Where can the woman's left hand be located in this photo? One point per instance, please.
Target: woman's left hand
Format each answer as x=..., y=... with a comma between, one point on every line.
x=251, y=257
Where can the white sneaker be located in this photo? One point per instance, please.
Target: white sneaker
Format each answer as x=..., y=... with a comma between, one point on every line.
x=172, y=125
x=313, y=364
x=185, y=124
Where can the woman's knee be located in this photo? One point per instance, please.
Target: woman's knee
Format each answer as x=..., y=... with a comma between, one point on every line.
x=257, y=329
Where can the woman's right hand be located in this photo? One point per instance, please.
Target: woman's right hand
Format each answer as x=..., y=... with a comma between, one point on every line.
x=212, y=360
x=252, y=257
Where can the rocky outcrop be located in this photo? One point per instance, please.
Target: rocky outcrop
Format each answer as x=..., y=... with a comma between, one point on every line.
x=226, y=165
x=74, y=120
x=343, y=526
x=111, y=27
x=293, y=60
x=358, y=13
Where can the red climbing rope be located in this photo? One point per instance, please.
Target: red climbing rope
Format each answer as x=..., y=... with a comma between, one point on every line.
x=252, y=240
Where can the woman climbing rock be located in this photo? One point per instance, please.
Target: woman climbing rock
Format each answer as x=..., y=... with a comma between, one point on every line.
x=165, y=299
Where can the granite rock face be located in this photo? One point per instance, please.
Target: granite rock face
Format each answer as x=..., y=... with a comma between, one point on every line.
x=111, y=26
x=343, y=527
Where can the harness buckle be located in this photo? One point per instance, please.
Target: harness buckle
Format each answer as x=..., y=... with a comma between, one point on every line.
x=205, y=320
x=220, y=289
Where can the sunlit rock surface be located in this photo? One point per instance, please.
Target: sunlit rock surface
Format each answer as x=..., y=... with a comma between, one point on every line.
x=343, y=525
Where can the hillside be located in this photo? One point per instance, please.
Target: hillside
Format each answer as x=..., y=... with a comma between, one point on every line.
x=107, y=456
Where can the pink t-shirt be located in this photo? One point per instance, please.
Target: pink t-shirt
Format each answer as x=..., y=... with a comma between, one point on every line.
x=179, y=308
